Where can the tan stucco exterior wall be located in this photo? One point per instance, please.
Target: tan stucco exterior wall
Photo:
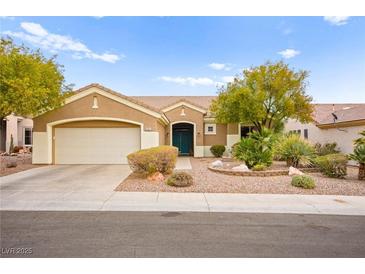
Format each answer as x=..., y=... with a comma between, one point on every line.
x=191, y=116
x=106, y=108
x=232, y=129
x=162, y=134
x=220, y=138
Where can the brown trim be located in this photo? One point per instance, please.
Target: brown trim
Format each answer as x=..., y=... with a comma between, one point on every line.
x=343, y=124
x=96, y=124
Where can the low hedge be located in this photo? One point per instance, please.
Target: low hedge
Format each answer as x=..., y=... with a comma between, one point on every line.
x=332, y=165
x=303, y=181
x=217, y=150
x=156, y=159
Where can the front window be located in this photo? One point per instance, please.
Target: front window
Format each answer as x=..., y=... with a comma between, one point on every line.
x=27, y=136
x=245, y=130
x=306, y=133
x=210, y=129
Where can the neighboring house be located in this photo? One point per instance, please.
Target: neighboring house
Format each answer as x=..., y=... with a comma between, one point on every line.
x=100, y=126
x=340, y=123
x=20, y=128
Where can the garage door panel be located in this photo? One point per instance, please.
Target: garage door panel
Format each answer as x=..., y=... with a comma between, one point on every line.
x=95, y=145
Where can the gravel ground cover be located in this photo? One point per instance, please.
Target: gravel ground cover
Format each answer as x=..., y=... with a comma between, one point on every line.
x=208, y=181
x=24, y=162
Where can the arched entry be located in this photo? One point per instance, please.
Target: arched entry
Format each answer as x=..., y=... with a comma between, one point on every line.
x=183, y=138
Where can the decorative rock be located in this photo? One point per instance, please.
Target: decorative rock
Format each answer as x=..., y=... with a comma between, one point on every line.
x=156, y=177
x=241, y=167
x=294, y=171
x=217, y=163
x=12, y=163
x=13, y=154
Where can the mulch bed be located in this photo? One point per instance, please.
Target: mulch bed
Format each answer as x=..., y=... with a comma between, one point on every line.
x=212, y=182
x=24, y=162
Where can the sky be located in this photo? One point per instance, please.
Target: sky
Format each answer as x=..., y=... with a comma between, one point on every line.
x=196, y=55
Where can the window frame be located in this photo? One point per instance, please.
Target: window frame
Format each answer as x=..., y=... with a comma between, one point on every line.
x=214, y=129
x=305, y=133
x=31, y=136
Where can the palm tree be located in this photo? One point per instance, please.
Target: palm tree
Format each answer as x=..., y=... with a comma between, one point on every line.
x=359, y=156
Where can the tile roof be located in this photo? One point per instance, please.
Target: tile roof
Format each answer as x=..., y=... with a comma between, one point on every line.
x=161, y=102
x=345, y=113
x=322, y=112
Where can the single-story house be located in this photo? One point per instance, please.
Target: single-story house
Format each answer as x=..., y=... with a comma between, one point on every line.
x=340, y=123
x=18, y=127
x=100, y=126
x=97, y=125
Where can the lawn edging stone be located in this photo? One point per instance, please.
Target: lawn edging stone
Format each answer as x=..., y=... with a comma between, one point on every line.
x=264, y=173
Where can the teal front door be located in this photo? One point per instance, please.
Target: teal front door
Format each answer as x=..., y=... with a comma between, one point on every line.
x=183, y=140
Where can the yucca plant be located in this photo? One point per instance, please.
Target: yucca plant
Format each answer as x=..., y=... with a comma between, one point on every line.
x=294, y=150
x=359, y=156
x=256, y=148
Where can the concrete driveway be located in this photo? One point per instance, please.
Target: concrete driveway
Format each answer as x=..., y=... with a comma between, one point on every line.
x=68, y=186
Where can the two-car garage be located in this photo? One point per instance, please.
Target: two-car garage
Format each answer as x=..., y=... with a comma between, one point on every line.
x=96, y=126
x=95, y=145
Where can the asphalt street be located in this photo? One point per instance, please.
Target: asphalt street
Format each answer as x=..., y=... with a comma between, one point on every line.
x=174, y=234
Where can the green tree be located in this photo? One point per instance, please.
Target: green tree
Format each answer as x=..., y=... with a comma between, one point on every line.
x=361, y=140
x=266, y=96
x=29, y=83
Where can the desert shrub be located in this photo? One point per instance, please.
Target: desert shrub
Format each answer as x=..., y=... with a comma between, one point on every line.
x=217, y=150
x=233, y=147
x=332, y=165
x=256, y=148
x=327, y=148
x=156, y=159
x=16, y=149
x=303, y=181
x=294, y=150
x=180, y=179
x=258, y=167
x=359, y=156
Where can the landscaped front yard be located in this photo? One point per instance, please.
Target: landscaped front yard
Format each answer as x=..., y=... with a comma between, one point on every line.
x=209, y=181
x=24, y=162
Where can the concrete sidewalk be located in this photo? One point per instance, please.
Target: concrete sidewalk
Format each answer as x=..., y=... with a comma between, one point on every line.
x=197, y=202
x=183, y=163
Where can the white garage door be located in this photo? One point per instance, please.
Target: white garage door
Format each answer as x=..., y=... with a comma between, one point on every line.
x=95, y=145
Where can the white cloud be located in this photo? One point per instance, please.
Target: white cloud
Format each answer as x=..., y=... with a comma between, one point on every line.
x=337, y=20
x=228, y=79
x=191, y=81
x=220, y=66
x=33, y=28
x=40, y=37
x=289, y=53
